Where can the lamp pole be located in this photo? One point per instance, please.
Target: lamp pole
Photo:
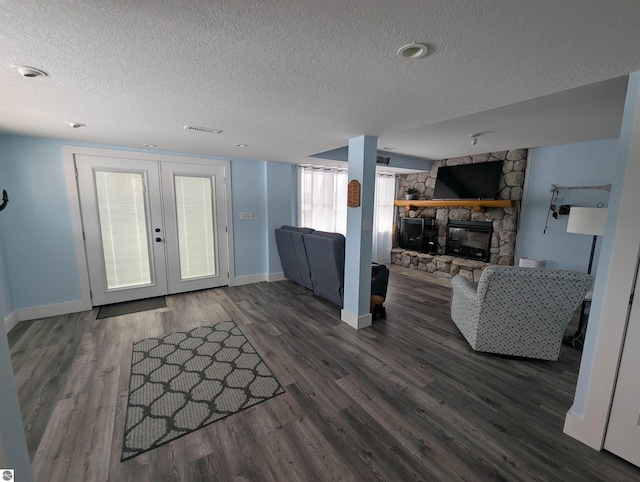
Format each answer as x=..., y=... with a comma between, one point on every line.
x=577, y=339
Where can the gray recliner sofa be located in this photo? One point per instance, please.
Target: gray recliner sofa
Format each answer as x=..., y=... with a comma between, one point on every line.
x=315, y=260
x=293, y=255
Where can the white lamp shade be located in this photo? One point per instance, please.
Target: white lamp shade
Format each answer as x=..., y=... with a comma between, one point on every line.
x=587, y=221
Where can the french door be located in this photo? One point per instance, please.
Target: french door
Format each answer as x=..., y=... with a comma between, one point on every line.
x=623, y=430
x=152, y=228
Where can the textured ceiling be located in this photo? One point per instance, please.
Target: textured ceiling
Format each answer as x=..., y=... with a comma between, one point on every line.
x=295, y=78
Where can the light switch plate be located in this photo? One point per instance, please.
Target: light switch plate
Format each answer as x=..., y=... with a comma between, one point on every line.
x=246, y=216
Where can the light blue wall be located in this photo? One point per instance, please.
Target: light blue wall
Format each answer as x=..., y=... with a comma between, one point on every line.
x=584, y=164
x=280, y=186
x=395, y=160
x=39, y=264
x=249, y=236
x=6, y=303
x=36, y=225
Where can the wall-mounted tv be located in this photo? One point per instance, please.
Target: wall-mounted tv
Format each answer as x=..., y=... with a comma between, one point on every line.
x=468, y=181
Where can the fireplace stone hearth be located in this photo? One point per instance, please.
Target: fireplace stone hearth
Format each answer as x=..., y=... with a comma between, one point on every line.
x=439, y=265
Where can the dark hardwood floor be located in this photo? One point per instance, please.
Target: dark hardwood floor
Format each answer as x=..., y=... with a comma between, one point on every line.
x=404, y=400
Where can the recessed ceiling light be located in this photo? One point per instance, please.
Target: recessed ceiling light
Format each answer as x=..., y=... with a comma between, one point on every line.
x=30, y=72
x=388, y=148
x=241, y=145
x=413, y=51
x=149, y=145
x=75, y=125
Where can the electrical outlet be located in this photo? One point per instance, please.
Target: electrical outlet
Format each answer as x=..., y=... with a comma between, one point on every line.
x=246, y=216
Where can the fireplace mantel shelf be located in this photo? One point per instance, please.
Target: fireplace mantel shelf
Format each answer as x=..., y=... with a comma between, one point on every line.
x=477, y=205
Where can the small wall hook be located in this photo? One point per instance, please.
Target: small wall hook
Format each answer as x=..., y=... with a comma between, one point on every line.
x=5, y=199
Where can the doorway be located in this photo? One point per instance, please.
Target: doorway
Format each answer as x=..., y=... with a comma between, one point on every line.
x=152, y=228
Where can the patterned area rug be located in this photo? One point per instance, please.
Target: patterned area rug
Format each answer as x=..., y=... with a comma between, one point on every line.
x=184, y=381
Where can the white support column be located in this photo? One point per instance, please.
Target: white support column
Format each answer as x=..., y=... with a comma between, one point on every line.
x=357, y=266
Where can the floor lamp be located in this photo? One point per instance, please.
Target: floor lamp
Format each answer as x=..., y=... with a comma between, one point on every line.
x=585, y=221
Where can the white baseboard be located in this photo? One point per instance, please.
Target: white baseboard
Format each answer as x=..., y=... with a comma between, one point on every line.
x=246, y=280
x=356, y=321
x=576, y=427
x=45, y=311
x=11, y=321
x=276, y=277
x=26, y=314
x=256, y=278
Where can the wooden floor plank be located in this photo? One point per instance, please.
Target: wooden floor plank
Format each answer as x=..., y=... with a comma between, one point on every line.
x=406, y=399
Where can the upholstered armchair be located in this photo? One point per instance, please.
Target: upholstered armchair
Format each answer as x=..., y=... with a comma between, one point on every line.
x=517, y=311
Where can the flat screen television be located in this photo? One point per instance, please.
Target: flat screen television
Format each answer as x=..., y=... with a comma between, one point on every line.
x=468, y=181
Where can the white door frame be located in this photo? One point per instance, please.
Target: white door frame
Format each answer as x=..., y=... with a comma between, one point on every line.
x=68, y=154
x=623, y=437
x=613, y=287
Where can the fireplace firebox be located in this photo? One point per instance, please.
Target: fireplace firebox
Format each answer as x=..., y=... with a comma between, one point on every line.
x=469, y=239
x=418, y=234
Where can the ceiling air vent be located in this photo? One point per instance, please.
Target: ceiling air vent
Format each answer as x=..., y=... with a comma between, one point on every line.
x=202, y=129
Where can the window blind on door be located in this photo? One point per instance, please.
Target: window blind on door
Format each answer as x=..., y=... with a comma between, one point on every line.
x=194, y=209
x=123, y=226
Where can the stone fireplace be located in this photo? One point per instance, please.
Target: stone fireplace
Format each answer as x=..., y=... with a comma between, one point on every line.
x=503, y=221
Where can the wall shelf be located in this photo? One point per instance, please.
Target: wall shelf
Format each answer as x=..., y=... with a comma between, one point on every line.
x=477, y=205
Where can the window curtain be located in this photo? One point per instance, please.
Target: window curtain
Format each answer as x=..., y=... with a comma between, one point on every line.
x=323, y=198
x=383, y=215
x=323, y=205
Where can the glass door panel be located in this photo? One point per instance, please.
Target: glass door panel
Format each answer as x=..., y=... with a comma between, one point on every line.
x=194, y=211
x=123, y=226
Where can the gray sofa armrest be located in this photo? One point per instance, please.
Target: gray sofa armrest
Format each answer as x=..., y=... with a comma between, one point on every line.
x=325, y=253
x=284, y=243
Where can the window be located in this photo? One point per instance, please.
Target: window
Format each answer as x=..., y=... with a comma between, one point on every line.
x=383, y=212
x=323, y=205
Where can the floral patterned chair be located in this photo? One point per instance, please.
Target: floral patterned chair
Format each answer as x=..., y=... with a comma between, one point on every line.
x=517, y=311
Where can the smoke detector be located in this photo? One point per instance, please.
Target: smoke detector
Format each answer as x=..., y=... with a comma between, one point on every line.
x=75, y=125
x=30, y=72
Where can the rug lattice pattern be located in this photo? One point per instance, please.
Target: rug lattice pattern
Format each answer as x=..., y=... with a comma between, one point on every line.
x=186, y=380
